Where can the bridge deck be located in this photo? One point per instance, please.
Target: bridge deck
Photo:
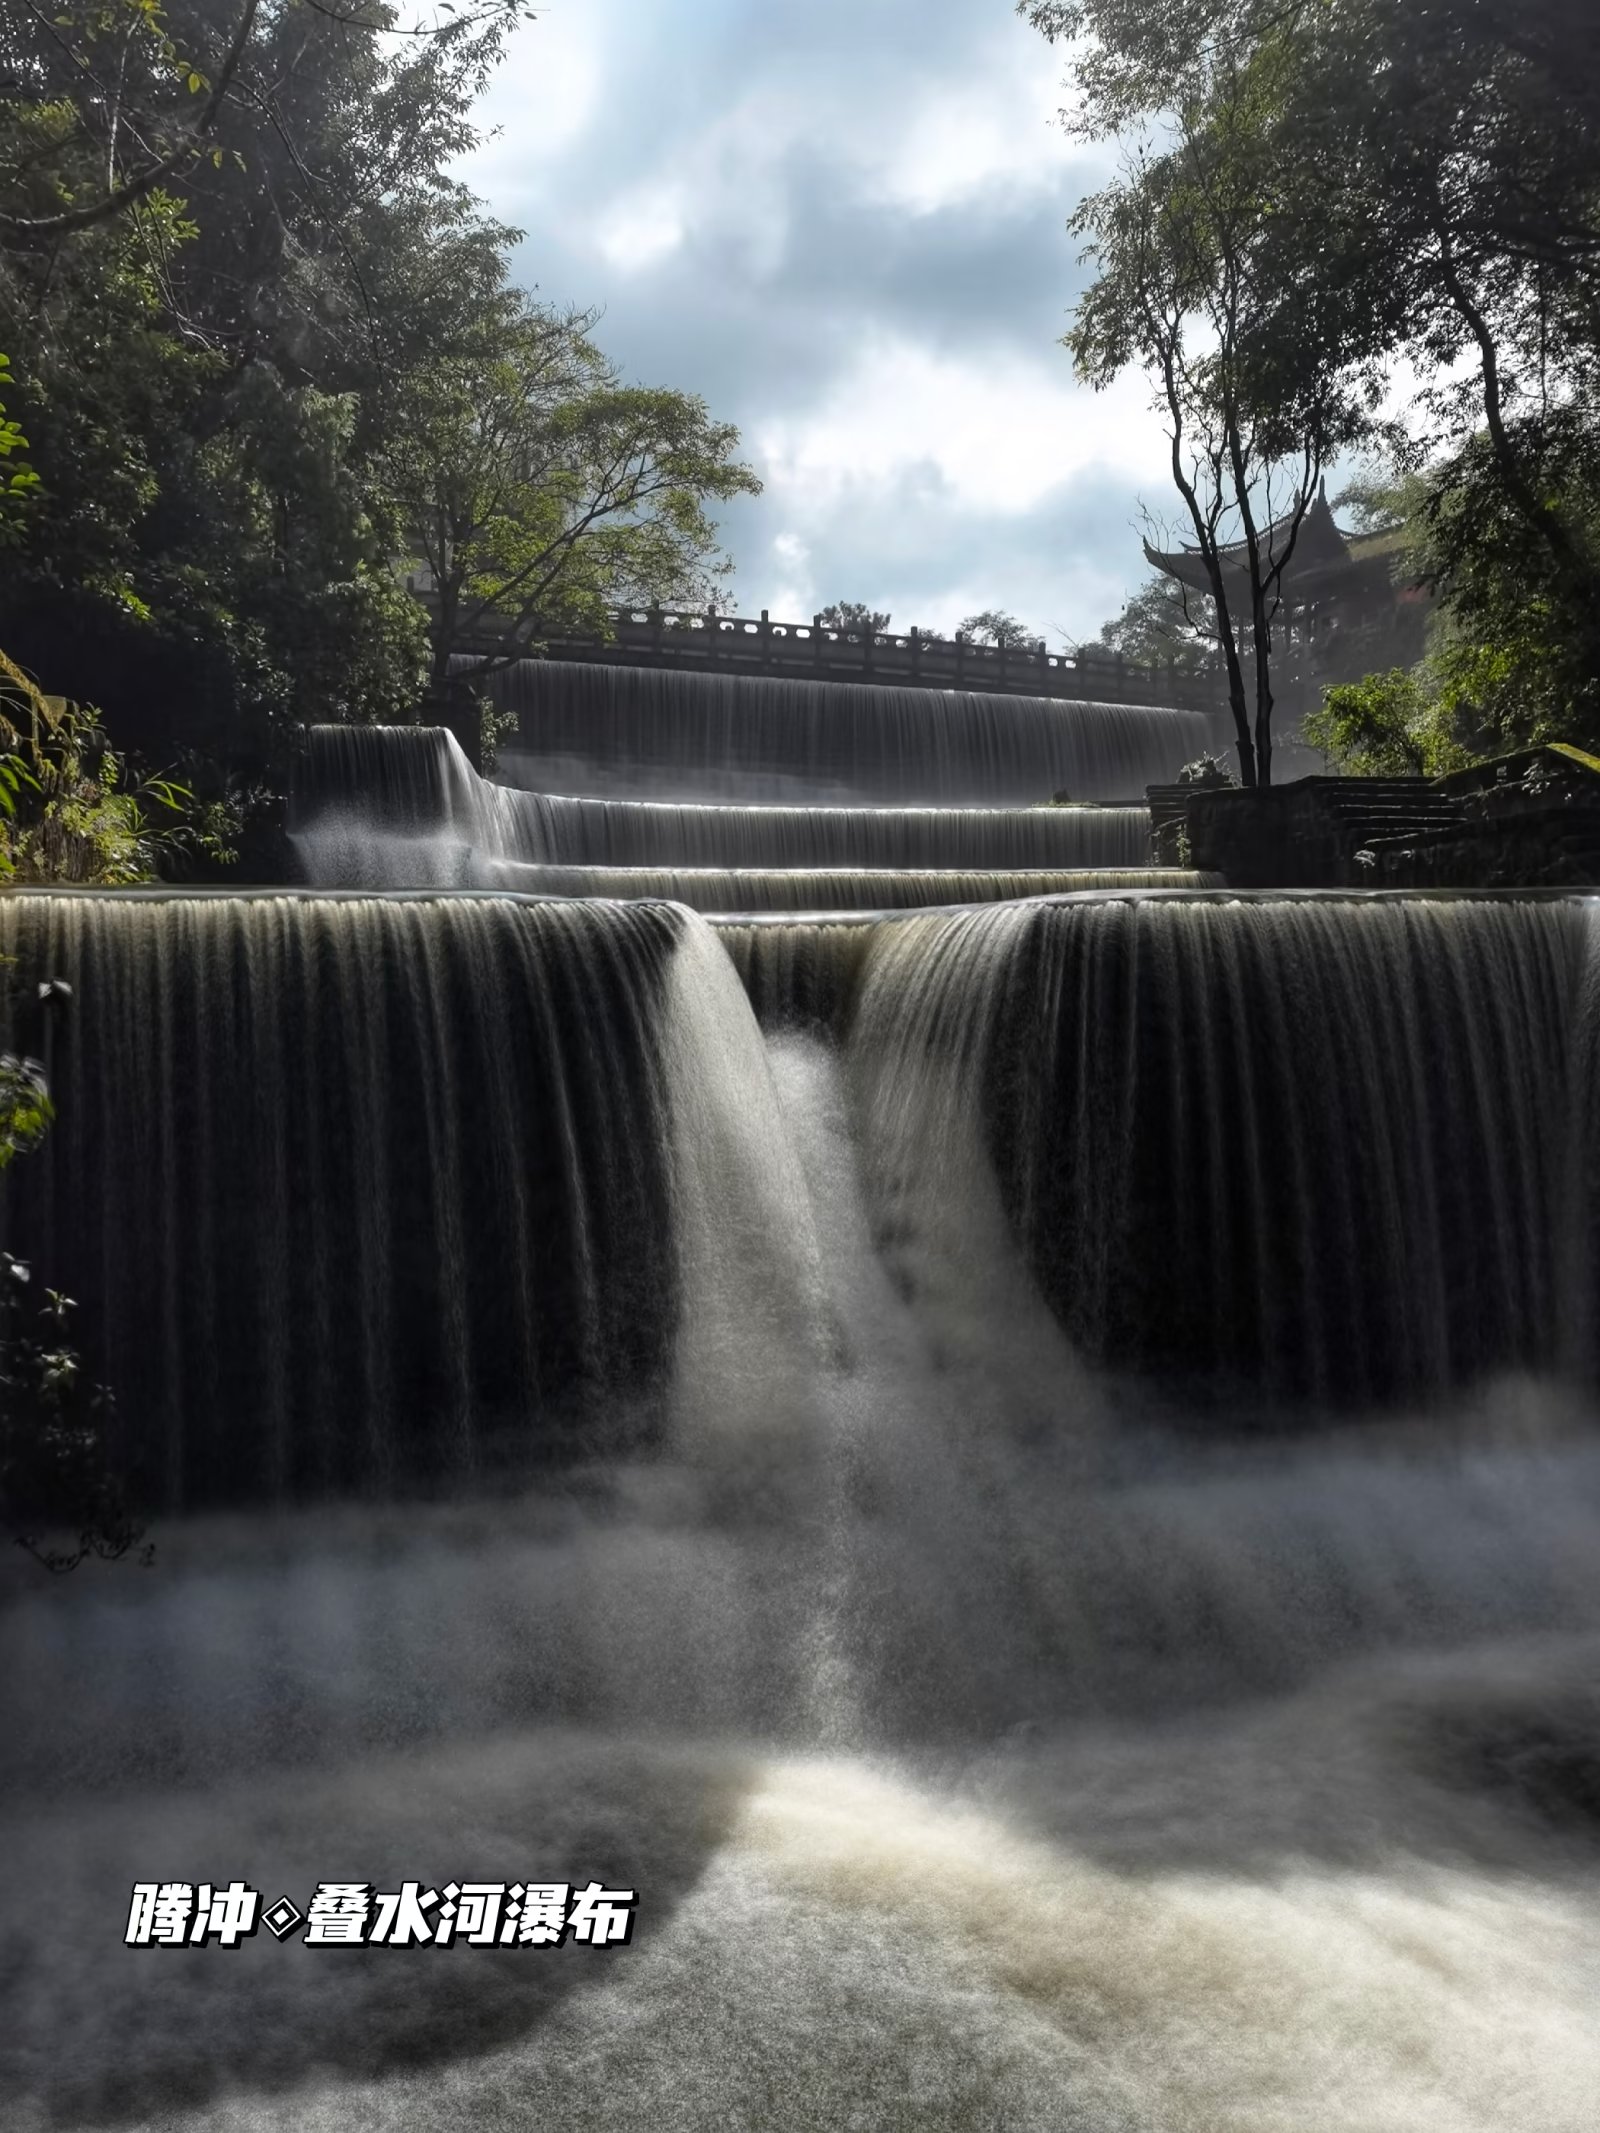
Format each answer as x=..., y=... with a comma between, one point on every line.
x=738, y=644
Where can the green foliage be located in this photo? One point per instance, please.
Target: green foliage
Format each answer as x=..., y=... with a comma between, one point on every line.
x=150, y=91
x=1514, y=642
x=993, y=626
x=55, y=1472
x=250, y=386
x=55, y=1469
x=1388, y=184
x=26, y=1111
x=200, y=558
x=15, y=481
x=70, y=811
x=1517, y=645
x=854, y=615
x=1394, y=725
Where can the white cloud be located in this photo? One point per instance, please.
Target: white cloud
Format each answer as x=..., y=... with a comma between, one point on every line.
x=993, y=132
x=544, y=99
x=846, y=227
x=642, y=228
x=997, y=435
x=792, y=592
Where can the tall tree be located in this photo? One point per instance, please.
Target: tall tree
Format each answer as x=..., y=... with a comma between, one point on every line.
x=127, y=97
x=1435, y=193
x=1256, y=386
x=1467, y=224
x=205, y=556
x=539, y=492
x=266, y=378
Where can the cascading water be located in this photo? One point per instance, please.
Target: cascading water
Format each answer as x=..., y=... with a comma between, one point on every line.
x=355, y=1190
x=1002, y=1720
x=386, y=807
x=1288, y=1146
x=1294, y=1146
x=824, y=889
x=645, y=834
x=629, y=733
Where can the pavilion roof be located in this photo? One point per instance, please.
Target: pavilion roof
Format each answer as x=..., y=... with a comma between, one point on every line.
x=1320, y=548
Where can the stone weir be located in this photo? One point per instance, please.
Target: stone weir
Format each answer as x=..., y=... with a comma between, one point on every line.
x=627, y=733
x=823, y=889
x=367, y=1193
x=400, y=807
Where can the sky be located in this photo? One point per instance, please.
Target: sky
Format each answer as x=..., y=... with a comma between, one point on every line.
x=843, y=223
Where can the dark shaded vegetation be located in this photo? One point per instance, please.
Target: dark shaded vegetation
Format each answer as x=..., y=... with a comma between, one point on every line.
x=59, y=1495
x=269, y=365
x=854, y=616
x=1311, y=194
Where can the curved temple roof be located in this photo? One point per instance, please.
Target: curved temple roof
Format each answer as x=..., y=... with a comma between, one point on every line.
x=1322, y=556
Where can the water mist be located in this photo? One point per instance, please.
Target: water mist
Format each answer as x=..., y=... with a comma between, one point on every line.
x=1026, y=1475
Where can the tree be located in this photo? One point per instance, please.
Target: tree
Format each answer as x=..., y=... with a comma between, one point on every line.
x=1394, y=725
x=1467, y=225
x=853, y=616
x=55, y=1468
x=1256, y=381
x=199, y=556
x=208, y=554
x=1506, y=664
x=232, y=386
x=18, y=479
x=141, y=107
x=1433, y=199
x=72, y=813
x=1005, y=632
x=539, y=492
x=1162, y=624
x=56, y=1473
x=68, y=813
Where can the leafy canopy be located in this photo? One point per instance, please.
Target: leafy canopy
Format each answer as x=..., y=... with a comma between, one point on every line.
x=1426, y=194
x=267, y=348
x=993, y=626
x=539, y=491
x=854, y=616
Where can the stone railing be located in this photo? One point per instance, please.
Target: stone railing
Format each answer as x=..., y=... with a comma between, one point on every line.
x=708, y=643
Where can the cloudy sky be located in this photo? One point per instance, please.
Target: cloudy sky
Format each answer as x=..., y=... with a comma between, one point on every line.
x=843, y=223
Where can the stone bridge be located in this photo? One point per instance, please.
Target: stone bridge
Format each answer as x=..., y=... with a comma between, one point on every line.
x=705, y=642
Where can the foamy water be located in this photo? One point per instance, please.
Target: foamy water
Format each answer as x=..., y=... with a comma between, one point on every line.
x=981, y=1760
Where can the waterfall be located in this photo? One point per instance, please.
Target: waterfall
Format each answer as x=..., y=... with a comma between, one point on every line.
x=1273, y=1147
x=817, y=1374
x=642, y=833
x=628, y=733
x=400, y=807
x=387, y=807
x=790, y=889
x=355, y=1193
x=1253, y=1151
